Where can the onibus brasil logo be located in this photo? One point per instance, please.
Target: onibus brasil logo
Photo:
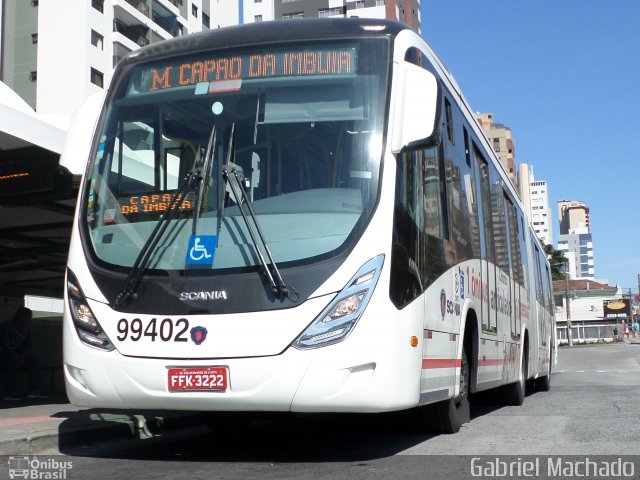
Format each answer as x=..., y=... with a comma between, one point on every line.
x=38, y=469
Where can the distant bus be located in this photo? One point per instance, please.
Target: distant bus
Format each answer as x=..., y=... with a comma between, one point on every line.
x=299, y=217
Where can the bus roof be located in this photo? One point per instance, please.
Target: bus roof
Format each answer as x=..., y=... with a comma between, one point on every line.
x=264, y=33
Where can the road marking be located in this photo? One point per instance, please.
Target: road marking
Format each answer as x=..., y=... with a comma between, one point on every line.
x=593, y=371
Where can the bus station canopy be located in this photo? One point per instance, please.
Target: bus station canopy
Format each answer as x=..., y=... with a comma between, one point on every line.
x=37, y=201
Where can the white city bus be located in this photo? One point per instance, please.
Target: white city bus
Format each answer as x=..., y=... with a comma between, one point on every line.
x=299, y=217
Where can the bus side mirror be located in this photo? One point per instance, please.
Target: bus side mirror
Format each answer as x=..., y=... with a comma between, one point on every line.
x=77, y=145
x=415, y=119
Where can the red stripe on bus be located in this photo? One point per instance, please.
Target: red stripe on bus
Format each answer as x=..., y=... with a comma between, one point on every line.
x=440, y=363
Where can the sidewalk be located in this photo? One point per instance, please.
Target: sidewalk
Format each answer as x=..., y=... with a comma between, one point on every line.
x=53, y=425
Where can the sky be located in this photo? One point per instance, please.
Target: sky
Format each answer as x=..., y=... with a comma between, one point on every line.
x=564, y=76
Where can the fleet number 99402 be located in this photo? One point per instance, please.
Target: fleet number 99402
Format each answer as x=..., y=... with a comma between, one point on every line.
x=165, y=330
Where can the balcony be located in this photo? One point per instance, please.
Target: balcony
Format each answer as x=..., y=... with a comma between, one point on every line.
x=119, y=51
x=138, y=34
x=141, y=6
x=165, y=19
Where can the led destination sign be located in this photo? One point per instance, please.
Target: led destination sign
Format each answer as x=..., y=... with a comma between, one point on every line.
x=308, y=62
x=157, y=202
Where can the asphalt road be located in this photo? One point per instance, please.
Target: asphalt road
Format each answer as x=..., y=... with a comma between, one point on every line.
x=592, y=410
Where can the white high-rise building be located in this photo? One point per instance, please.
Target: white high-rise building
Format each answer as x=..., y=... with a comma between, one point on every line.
x=575, y=239
x=535, y=197
x=56, y=54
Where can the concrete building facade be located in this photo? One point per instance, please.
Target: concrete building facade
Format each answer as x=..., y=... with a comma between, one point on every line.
x=581, y=302
x=406, y=11
x=535, y=198
x=575, y=239
x=573, y=215
x=501, y=139
x=56, y=54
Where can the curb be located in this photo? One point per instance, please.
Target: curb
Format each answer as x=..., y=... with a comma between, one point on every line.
x=120, y=427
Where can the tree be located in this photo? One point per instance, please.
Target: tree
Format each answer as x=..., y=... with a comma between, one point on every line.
x=557, y=261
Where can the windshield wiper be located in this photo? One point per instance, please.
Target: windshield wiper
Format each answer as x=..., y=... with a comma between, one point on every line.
x=203, y=176
x=279, y=287
x=142, y=260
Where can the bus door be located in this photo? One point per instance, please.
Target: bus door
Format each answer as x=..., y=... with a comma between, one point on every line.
x=507, y=295
x=522, y=271
x=488, y=354
x=502, y=287
x=544, y=304
x=514, y=257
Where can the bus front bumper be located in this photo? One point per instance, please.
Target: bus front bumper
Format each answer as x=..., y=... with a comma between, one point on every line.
x=331, y=379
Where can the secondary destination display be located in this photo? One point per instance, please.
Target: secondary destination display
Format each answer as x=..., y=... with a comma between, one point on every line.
x=308, y=62
x=152, y=203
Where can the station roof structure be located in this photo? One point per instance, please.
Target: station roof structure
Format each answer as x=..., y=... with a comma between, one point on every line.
x=37, y=201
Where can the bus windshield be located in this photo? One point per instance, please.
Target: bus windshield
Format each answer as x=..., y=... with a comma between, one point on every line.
x=301, y=124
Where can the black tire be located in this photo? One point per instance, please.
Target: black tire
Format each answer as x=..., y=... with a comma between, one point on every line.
x=515, y=392
x=543, y=384
x=450, y=415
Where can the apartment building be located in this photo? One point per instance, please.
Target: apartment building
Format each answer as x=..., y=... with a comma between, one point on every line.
x=573, y=215
x=575, y=239
x=501, y=139
x=56, y=54
x=534, y=195
x=406, y=11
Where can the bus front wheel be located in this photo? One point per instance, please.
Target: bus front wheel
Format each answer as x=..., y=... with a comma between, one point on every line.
x=448, y=416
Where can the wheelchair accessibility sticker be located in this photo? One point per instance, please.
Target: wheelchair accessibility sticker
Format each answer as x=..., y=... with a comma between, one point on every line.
x=201, y=250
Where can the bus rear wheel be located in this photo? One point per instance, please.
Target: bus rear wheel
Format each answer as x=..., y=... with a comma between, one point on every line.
x=543, y=384
x=516, y=391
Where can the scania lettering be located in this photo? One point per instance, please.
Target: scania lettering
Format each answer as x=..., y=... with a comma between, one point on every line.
x=216, y=295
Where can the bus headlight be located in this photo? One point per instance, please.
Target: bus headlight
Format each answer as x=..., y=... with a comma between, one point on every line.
x=341, y=315
x=87, y=327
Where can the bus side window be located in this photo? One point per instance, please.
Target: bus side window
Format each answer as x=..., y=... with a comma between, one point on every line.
x=420, y=224
x=463, y=221
x=523, y=267
x=548, y=288
x=514, y=244
x=467, y=150
x=540, y=297
x=484, y=187
x=449, y=121
x=500, y=224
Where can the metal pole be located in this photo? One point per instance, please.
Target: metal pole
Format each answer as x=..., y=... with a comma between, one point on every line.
x=568, y=304
x=631, y=320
